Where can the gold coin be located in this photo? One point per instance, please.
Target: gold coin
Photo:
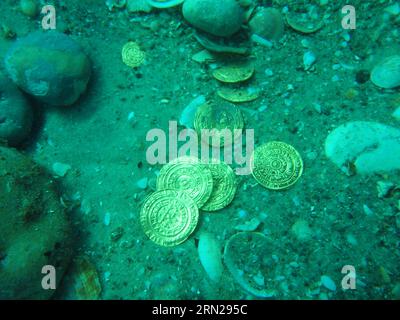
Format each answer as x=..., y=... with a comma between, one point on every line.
x=238, y=95
x=276, y=165
x=169, y=217
x=235, y=72
x=132, y=55
x=189, y=175
x=224, y=187
x=221, y=122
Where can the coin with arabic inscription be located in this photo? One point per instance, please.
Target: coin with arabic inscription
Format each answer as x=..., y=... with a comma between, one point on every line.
x=189, y=175
x=276, y=165
x=224, y=190
x=169, y=217
x=219, y=123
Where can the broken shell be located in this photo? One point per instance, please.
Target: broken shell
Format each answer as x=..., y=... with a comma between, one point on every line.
x=309, y=59
x=238, y=95
x=204, y=56
x=235, y=72
x=138, y=6
x=267, y=23
x=386, y=74
x=303, y=23
x=84, y=280
x=240, y=250
x=119, y=4
x=222, y=45
x=385, y=188
x=163, y=4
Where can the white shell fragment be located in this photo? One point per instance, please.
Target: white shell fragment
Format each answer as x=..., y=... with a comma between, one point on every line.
x=210, y=256
x=364, y=147
x=309, y=58
x=328, y=283
x=187, y=116
x=60, y=169
x=386, y=74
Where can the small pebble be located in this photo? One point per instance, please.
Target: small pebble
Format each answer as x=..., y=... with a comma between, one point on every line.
x=143, y=183
x=107, y=219
x=60, y=169
x=328, y=283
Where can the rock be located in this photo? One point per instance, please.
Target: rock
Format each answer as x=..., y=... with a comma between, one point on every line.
x=60, y=169
x=33, y=227
x=385, y=188
x=29, y=7
x=301, y=230
x=49, y=66
x=210, y=256
x=16, y=114
x=386, y=74
x=364, y=147
x=220, y=18
x=267, y=23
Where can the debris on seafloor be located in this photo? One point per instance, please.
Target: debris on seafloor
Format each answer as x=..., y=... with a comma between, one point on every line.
x=244, y=256
x=82, y=280
x=369, y=146
x=210, y=256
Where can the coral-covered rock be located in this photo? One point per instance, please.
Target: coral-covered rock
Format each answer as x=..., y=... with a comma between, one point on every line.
x=49, y=66
x=34, y=231
x=15, y=113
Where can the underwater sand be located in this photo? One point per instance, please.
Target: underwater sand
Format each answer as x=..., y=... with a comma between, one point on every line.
x=107, y=157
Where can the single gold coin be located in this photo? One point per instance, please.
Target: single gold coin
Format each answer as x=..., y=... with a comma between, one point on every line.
x=189, y=175
x=234, y=72
x=132, y=55
x=218, y=123
x=224, y=190
x=169, y=217
x=238, y=95
x=276, y=165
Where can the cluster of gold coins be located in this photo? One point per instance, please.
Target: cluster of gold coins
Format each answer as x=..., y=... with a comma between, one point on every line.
x=184, y=186
x=233, y=75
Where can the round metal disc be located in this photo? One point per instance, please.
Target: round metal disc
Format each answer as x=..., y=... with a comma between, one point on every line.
x=276, y=165
x=222, y=120
x=168, y=217
x=224, y=190
x=189, y=175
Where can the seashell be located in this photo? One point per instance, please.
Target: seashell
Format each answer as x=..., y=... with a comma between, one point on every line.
x=138, y=6
x=240, y=250
x=238, y=95
x=119, y=4
x=204, y=56
x=86, y=281
x=163, y=4
x=267, y=23
x=303, y=23
x=220, y=45
x=210, y=256
x=386, y=74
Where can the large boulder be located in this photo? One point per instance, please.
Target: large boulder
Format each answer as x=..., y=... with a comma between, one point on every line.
x=16, y=114
x=34, y=231
x=220, y=18
x=49, y=66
